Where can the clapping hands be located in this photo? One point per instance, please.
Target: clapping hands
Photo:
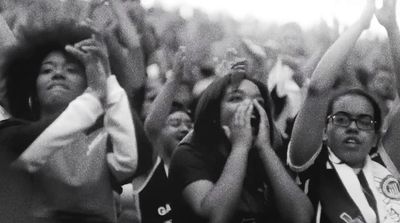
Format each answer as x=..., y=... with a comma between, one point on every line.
x=93, y=54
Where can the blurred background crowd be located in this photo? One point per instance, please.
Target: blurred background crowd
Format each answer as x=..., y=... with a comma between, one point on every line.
x=209, y=37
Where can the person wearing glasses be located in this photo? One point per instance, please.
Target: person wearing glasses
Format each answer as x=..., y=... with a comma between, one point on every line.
x=335, y=139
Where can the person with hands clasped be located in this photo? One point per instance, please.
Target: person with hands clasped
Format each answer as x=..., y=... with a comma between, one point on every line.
x=228, y=169
x=125, y=45
x=71, y=125
x=93, y=54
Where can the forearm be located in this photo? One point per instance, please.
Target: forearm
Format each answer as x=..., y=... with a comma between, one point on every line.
x=128, y=65
x=331, y=64
x=160, y=109
x=293, y=62
x=119, y=125
x=221, y=202
x=148, y=41
x=7, y=37
x=307, y=131
x=293, y=205
x=118, y=61
x=128, y=29
x=16, y=136
x=137, y=68
x=394, y=42
x=130, y=34
x=261, y=70
x=312, y=62
x=80, y=114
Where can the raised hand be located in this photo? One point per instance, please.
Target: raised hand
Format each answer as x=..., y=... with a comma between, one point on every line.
x=368, y=12
x=179, y=63
x=240, y=66
x=94, y=56
x=136, y=12
x=387, y=14
x=240, y=127
x=256, y=51
x=94, y=5
x=228, y=63
x=263, y=136
x=127, y=28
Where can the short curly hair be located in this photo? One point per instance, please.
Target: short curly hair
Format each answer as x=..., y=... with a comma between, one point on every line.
x=23, y=60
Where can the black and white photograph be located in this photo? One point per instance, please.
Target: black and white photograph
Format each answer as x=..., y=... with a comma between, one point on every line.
x=199, y=111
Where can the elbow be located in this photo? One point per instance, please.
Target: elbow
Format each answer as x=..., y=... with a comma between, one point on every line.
x=296, y=159
x=301, y=217
x=29, y=166
x=123, y=168
x=216, y=214
x=303, y=150
x=206, y=210
x=317, y=87
x=151, y=129
x=301, y=214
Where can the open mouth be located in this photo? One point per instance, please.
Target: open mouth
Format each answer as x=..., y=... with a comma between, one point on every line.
x=57, y=86
x=180, y=137
x=352, y=141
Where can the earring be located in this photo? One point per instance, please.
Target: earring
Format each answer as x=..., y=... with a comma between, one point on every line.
x=30, y=102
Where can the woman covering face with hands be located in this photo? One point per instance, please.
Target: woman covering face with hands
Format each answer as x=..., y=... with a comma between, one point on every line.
x=228, y=170
x=72, y=125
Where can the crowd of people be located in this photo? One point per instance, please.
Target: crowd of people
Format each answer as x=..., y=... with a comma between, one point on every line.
x=105, y=119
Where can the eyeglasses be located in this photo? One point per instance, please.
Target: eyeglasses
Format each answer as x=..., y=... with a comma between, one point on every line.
x=343, y=119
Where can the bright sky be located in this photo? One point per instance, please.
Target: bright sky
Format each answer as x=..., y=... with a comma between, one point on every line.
x=305, y=12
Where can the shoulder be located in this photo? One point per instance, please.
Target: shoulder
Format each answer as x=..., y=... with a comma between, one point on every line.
x=187, y=154
x=188, y=165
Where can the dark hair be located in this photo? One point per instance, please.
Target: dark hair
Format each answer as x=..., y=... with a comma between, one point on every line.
x=362, y=93
x=23, y=60
x=207, y=127
x=179, y=107
x=207, y=71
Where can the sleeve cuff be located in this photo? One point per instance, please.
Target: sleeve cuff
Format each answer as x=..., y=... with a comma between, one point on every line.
x=306, y=165
x=92, y=103
x=114, y=90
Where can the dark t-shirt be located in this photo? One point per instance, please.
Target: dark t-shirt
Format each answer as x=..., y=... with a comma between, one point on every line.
x=325, y=188
x=189, y=165
x=15, y=185
x=155, y=198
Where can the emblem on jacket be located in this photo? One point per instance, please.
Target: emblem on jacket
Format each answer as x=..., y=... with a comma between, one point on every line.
x=390, y=187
